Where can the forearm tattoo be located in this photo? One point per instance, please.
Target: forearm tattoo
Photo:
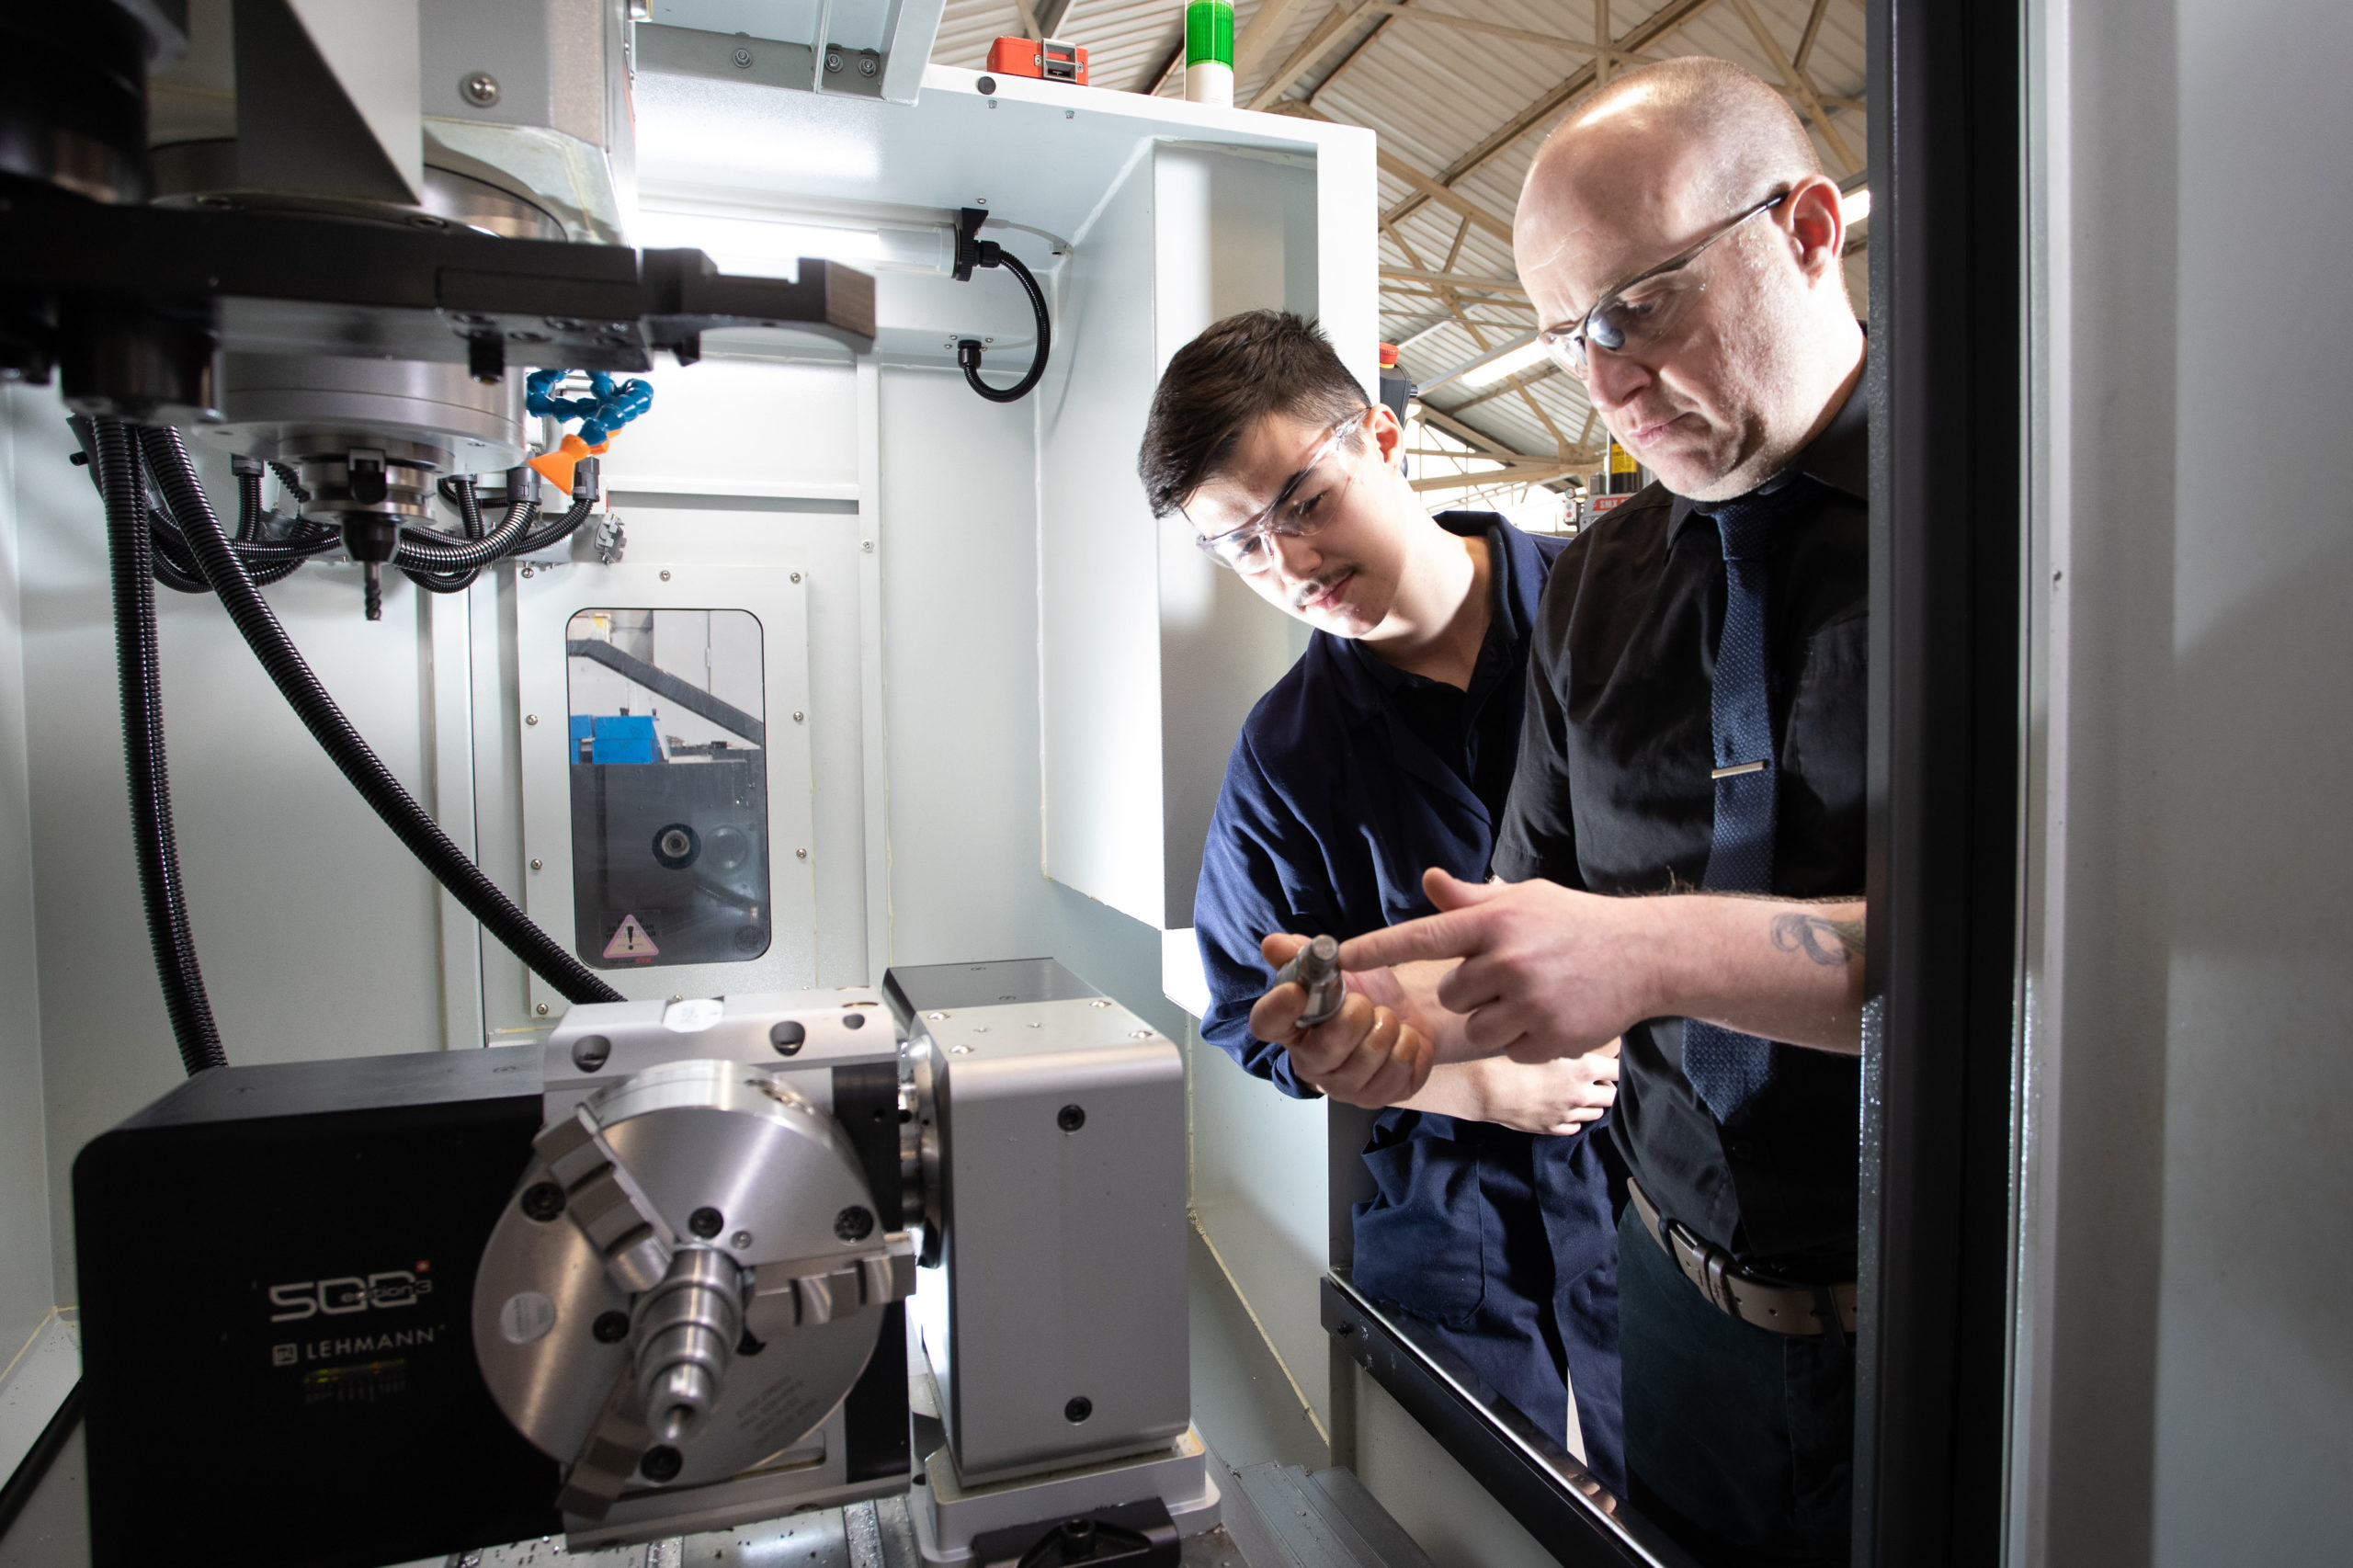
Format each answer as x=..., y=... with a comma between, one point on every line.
x=1831, y=943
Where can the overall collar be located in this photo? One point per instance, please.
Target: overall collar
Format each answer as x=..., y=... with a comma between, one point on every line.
x=1361, y=693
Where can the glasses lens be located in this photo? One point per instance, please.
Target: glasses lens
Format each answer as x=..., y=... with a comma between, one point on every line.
x=1303, y=508
x=1567, y=349
x=1607, y=325
x=1315, y=498
x=1244, y=550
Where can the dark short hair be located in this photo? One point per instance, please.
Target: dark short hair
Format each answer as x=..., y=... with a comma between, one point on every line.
x=1220, y=385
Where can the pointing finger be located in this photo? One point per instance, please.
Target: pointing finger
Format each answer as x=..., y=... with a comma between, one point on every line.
x=1450, y=936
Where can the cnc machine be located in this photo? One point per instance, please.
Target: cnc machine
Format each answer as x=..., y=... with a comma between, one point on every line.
x=685, y=1248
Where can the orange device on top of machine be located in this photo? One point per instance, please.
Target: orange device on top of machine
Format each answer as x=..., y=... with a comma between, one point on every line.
x=1049, y=57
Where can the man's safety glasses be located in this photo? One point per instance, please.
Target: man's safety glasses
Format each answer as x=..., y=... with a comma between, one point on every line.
x=1309, y=500
x=1644, y=309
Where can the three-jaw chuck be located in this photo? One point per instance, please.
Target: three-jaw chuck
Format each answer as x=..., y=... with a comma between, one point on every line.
x=687, y=1282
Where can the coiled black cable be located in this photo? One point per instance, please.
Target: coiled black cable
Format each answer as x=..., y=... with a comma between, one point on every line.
x=426, y=568
x=138, y=668
x=269, y=558
x=968, y=349
x=168, y=458
x=175, y=573
x=415, y=549
x=248, y=502
x=460, y=491
x=438, y=583
x=559, y=530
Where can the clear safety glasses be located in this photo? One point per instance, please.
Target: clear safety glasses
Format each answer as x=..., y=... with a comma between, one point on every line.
x=1307, y=502
x=1642, y=311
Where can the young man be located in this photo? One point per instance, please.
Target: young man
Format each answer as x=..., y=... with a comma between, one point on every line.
x=1389, y=747
x=1695, y=728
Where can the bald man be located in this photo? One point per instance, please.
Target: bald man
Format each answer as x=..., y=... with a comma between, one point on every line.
x=1680, y=862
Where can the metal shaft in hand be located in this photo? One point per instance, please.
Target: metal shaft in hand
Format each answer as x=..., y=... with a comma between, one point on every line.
x=1316, y=970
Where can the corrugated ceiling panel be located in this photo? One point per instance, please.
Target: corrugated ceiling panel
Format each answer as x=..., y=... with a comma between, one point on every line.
x=1435, y=92
x=967, y=27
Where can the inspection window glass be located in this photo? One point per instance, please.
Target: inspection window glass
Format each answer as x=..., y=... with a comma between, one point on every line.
x=669, y=796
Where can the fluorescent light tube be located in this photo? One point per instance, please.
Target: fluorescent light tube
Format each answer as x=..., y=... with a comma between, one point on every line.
x=772, y=247
x=1520, y=358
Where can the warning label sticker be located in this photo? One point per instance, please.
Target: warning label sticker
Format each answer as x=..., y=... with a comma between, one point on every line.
x=629, y=941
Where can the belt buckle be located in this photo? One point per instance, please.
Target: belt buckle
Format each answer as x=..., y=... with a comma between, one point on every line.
x=1707, y=1265
x=1720, y=1269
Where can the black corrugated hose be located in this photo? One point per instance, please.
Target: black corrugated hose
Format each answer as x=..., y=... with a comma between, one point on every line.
x=437, y=578
x=442, y=568
x=458, y=490
x=428, y=551
x=138, y=666
x=167, y=458
x=267, y=559
x=561, y=528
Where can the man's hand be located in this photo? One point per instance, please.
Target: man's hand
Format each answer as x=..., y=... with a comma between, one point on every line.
x=1549, y=972
x=1546, y=973
x=1370, y=1055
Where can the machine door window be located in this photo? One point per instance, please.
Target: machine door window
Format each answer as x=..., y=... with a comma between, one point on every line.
x=669, y=787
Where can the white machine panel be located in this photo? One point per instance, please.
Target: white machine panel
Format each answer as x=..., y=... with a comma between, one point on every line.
x=632, y=961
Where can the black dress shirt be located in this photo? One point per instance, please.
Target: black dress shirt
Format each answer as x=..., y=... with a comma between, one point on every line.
x=1613, y=796
x=1474, y=732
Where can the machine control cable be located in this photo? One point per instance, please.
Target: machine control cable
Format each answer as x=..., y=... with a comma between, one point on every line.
x=972, y=251
x=139, y=666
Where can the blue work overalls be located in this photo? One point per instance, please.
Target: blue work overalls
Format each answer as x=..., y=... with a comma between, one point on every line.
x=1502, y=1242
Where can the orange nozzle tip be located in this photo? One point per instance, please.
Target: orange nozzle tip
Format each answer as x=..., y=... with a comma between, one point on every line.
x=556, y=467
x=600, y=448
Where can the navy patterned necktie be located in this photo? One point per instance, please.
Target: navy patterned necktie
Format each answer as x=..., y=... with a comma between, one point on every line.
x=1727, y=1067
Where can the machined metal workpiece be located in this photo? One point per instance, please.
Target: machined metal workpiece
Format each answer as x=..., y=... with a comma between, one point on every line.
x=686, y=1330
x=1315, y=968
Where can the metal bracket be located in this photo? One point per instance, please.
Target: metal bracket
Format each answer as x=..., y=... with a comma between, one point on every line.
x=605, y=1202
x=819, y=1290
x=609, y=1454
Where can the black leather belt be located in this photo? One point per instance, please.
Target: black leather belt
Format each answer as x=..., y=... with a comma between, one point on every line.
x=1773, y=1305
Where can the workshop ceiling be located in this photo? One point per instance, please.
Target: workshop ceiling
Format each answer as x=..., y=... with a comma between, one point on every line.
x=1460, y=93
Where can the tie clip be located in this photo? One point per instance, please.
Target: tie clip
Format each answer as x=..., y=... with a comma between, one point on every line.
x=1737, y=769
